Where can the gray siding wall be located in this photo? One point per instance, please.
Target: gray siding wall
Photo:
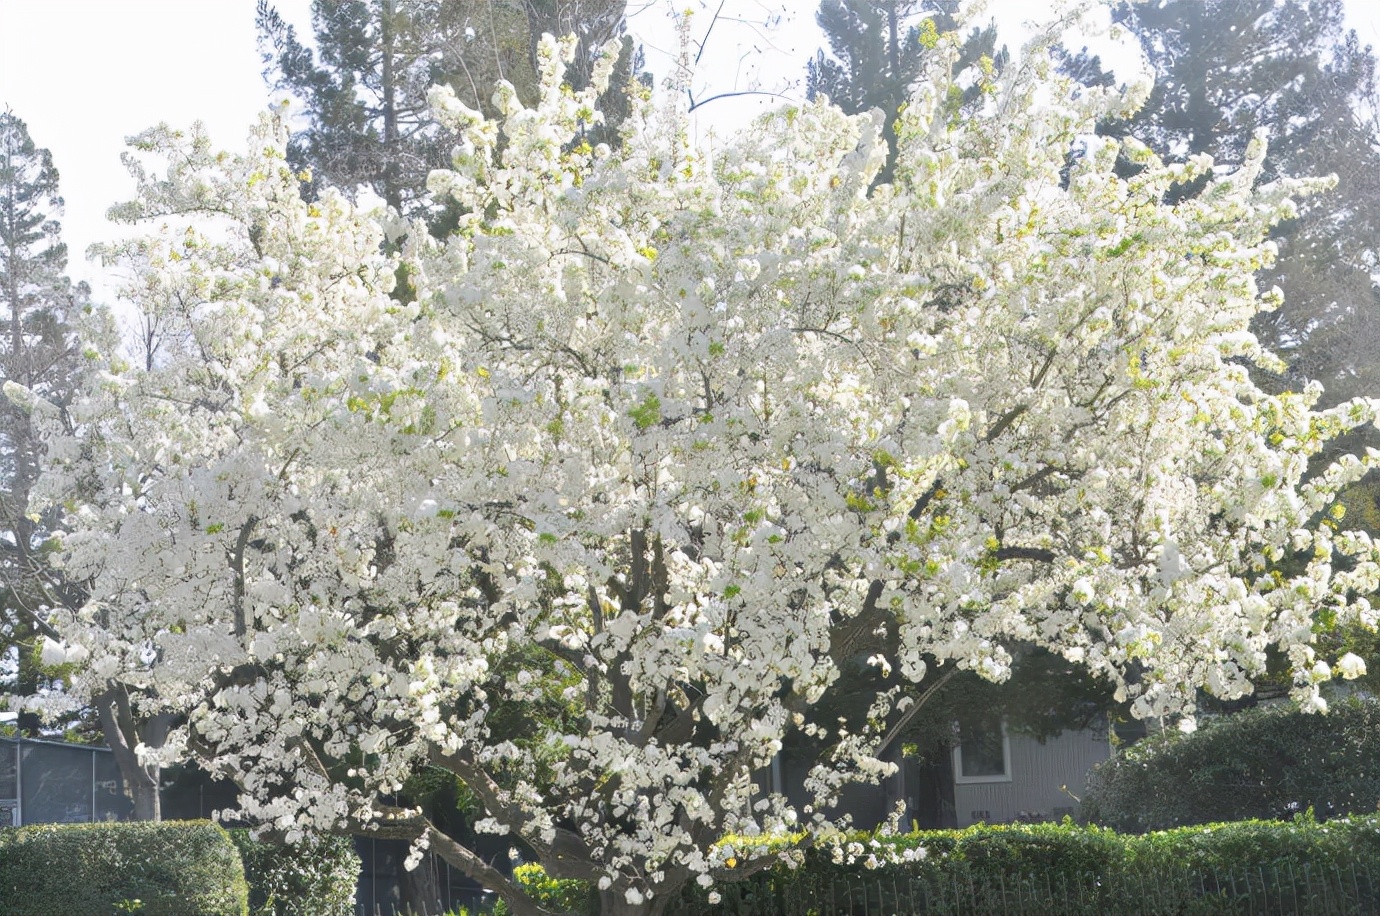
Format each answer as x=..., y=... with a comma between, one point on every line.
x=1038, y=771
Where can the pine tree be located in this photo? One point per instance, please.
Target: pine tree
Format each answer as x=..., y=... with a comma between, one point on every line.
x=364, y=89
x=1225, y=69
x=877, y=50
x=38, y=352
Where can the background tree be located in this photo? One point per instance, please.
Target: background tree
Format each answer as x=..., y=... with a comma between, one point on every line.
x=43, y=364
x=364, y=88
x=878, y=50
x=39, y=352
x=1226, y=69
x=664, y=442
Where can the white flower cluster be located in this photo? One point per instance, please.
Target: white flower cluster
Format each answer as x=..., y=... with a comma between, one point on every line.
x=589, y=501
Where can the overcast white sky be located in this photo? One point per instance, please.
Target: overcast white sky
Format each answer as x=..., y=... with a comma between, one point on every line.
x=84, y=74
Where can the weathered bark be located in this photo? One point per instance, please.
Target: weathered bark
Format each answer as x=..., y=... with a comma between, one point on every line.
x=614, y=902
x=124, y=733
x=421, y=889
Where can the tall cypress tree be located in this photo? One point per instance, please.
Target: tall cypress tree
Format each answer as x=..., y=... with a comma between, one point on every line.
x=38, y=352
x=364, y=89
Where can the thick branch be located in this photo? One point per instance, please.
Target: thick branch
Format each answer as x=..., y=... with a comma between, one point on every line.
x=1005, y=420
x=850, y=636
x=751, y=867
x=237, y=565
x=924, y=501
x=910, y=714
x=118, y=727
x=1038, y=554
x=402, y=825
x=564, y=856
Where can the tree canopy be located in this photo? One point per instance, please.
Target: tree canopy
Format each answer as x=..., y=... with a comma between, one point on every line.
x=364, y=87
x=38, y=351
x=1226, y=71
x=663, y=441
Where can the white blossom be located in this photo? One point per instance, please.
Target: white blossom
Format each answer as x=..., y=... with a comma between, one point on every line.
x=595, y=507
x=1351, y=666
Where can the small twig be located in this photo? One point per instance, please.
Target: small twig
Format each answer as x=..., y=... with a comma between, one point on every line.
x=728, y=95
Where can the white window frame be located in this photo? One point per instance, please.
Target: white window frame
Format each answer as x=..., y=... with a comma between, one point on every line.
x=960, y=779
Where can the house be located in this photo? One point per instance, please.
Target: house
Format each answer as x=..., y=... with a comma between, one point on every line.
x=989, y=775
x=1000, y=777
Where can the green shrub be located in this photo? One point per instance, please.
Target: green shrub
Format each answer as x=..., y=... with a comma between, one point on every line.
x=1259, y=866
x=559, y=895
x=1263, y=763
x=316, y=877
x=1295, y=867
x=176, y=868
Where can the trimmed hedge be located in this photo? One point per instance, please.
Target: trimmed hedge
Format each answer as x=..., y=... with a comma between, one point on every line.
x=316, y=877
x=1297, y=867
x=176, y=868
x=1268, y=762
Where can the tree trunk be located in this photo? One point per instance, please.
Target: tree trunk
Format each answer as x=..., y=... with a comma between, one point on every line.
x=392, y=190
x=124, y=734
x=614, y=902
x=421, y=889
x=147, y=805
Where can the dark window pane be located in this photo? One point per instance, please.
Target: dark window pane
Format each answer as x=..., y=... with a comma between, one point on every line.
x=9, y=781
x=981, y=749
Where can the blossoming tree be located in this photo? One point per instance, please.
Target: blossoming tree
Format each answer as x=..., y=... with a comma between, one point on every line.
x=589, y=503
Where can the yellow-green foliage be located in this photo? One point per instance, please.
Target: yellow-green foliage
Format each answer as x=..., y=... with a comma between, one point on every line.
x=559, y=895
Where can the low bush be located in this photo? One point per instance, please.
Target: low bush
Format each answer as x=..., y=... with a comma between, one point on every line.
x=1259, y=866
x=176, y=868
x=1294, y=867
x=1267, y=763
x=558, y=895
x=316, y=877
